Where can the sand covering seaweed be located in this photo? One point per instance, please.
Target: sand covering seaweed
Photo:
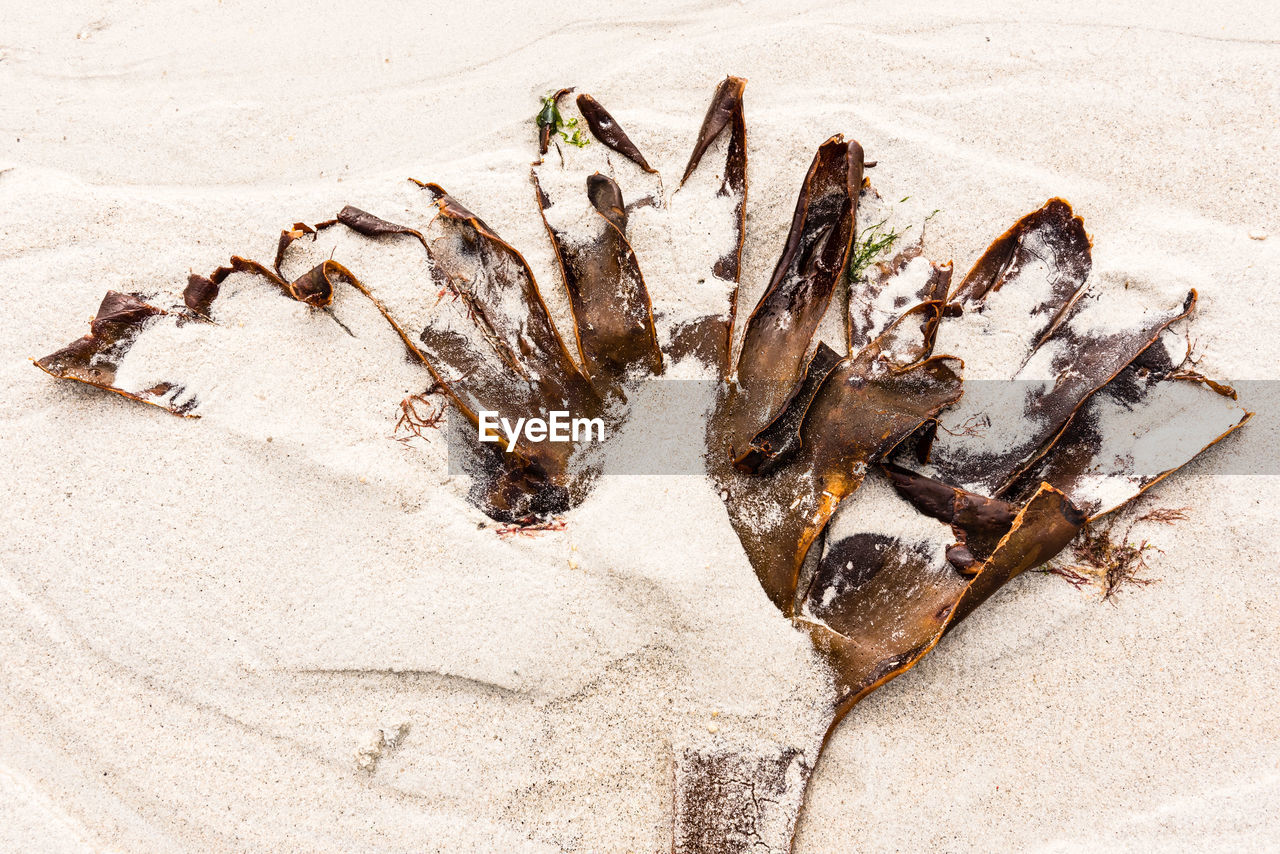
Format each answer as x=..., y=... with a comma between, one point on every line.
x=878, y=505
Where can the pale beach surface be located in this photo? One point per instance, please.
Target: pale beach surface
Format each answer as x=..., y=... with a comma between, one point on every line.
x=277, y=628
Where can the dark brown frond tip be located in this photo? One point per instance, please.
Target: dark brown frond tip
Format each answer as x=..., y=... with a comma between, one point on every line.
x=606, y=129
x=371, y=226
x=724, y=112
x=776, y=443
x=200, y=293
x=93, y=359
x=612, y=312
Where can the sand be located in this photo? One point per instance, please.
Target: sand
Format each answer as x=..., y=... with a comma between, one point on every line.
x=277, y=628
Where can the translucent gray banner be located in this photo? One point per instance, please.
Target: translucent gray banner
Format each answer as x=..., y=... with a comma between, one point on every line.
x=662, y=429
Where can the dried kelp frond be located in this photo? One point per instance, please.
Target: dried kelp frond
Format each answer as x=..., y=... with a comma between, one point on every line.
x=909, y=339
x=1047, y=250
x=1044, y=526
x=371, y=226
x=864, y=408
x=122, y=318
x=778, y=333
x=881, y=601
x=608, y=131
x=883, y=588
x=199, y=294
x=709, y=338
x=907, y=557
x=612, y=312
x=94, y=358
x=287, y=237
x=979, y=523
x=877, y=505
x=724, y=113
x=486, y=273
x=1070, y=344
x=889, y=289
x=1144, y=424
x=781, y=439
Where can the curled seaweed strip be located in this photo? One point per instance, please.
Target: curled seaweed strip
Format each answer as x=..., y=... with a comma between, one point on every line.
x=978, y=522
x=888, y=289
x=776, y=443
x=778, y=332
x=94, y=358
x=606, y=129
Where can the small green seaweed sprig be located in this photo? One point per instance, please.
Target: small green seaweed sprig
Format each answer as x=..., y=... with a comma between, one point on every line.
x=873, y=242
x=549, y=116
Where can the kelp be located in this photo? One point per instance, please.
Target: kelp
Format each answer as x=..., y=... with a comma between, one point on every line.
x=878, y=502
x=778, y=332
x=888, y=289
x=710, y=339
x=865, y=408
x=94, y=358
x=878, y=603
x=1140, y=428
x=613, y=315
x=609, y=132
x=978, y=522
x=122, y=318
x=1068, y=348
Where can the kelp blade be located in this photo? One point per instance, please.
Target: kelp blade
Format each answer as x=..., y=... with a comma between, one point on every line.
x=1149, y=421
x=779, y=332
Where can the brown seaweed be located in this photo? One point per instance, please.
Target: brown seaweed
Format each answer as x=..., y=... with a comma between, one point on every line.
x=780, y=440
x=613, y=316
x=977, y=521
x=1065, y=357
x=873, y=522
x=711, y=338
x=606, y=129
x=1105, y=469
x=778, y=332
x=867, y=320
x=886, y=614
x=121, y=318
x=94, y=358
x=863, y=411
x=1052, y=235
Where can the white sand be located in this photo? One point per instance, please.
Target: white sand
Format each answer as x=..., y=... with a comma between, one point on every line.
x=212, y=641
